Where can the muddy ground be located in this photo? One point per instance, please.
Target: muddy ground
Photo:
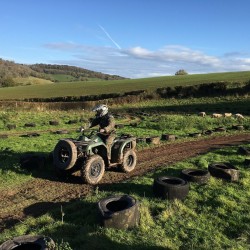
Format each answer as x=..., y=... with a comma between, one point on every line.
x=39, y=195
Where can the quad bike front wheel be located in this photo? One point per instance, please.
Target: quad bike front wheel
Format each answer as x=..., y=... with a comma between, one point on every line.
x=93, y=170
x=129, y=161
x=65, y=154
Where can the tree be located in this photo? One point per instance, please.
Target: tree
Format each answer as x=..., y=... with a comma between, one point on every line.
x=7, y=82
x=181, y=72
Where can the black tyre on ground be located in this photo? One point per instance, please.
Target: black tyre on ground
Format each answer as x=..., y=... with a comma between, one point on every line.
x=54, y=123
x=61, y=132
x=195, y=175
x=168, y=187
x=244, y=150
x=247, y=161
x=121, y=212
x=30, y=125
x=238, y=127
x=129, y=161
x=224, y=170
x=93, y=170
x=65, y=154
x=3, y=136
x=26, y=242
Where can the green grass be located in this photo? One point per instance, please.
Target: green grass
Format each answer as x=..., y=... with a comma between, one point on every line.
x=116, y=86
x=62, y=77
x=31, y=81
x=213, y=215
x=154, y=125
x=69, y=78
x=210, y=105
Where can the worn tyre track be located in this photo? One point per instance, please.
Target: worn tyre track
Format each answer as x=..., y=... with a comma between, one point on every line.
x=40, y=195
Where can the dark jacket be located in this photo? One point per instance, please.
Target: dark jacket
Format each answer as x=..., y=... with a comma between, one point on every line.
x=106, y=122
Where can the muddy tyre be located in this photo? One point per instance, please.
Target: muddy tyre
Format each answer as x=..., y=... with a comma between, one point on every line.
x=29, y=242
x=93, y=170
x=195, y=175
x=224, y=171
x=244, y=150
x=65, y=155
x=129, y=161
x=121, y=212
x=247, y=162
x=170, y=188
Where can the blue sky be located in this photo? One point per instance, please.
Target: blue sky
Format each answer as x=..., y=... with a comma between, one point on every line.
x=130, y=38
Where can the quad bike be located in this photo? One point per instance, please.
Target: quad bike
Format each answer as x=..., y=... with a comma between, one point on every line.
x=88, y=154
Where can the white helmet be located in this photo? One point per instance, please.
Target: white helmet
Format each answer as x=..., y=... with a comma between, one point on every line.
x=101, y=110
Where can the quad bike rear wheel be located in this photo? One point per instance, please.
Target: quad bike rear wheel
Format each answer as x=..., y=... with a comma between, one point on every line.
x=129, y=161
x=93, y=170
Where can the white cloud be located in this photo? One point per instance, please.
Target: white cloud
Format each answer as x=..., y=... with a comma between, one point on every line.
x=138, y=62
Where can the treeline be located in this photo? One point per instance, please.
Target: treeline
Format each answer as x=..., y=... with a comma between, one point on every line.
x=205, y=90
x=86, y=98
x=76, y=72
x=10, y=70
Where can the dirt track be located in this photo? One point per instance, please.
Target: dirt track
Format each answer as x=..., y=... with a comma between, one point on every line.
x=39, y=195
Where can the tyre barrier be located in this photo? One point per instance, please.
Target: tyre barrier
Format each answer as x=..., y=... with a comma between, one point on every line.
x=247, y=161
x=224, y=171
x=134, y=125
x=53, y=123
x=153, y=140
x=72, y=122
x=207, y=132
x=29, y=242
x=167, y=137
x=220, y=129
x=120, y=212
x=30, y=135
x=30, y=125
x=238, y=127
x=170, y=188
x=243, y=150
x=61, y=132
x=3, y=136
x=140, y=140
x=119, y=126
x=11, y=126
x=195, y=135
x=195, y=175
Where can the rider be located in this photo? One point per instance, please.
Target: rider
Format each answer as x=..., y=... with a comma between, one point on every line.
x=106, y=124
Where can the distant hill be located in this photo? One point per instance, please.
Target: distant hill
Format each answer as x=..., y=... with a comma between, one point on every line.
x=14, y=74
x=76, y=73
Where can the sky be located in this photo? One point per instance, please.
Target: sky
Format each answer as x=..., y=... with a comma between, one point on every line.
x=129, y=38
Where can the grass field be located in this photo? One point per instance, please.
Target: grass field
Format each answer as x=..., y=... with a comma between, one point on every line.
x=116, y=86
x=214, y=216
x=30, y=81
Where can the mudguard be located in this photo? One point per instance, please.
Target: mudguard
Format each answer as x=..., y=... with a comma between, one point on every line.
x=118, y=148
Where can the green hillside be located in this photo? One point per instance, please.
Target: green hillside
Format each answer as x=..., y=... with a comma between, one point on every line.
x=83, y=88
x=15, y=74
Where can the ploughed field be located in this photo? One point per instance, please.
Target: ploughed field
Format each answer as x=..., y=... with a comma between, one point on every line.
x=42, y=193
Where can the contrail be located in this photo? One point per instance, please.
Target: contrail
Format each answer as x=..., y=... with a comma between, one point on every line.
x=107, y=34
